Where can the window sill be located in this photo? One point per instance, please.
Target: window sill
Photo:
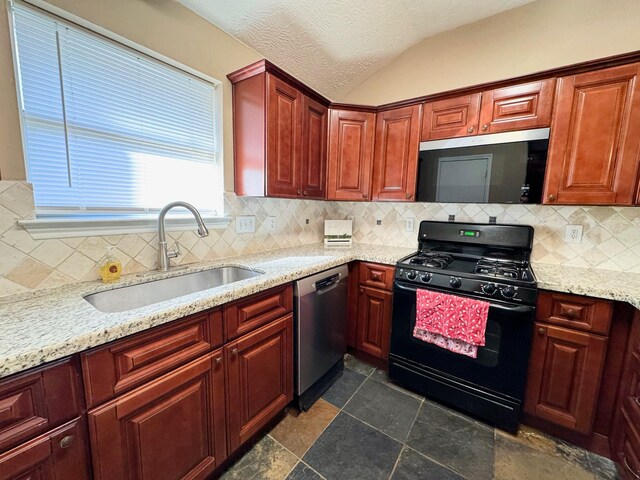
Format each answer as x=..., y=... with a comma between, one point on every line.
x=47, y=228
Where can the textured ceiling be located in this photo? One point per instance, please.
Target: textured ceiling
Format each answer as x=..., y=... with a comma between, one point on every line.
x=334, y=45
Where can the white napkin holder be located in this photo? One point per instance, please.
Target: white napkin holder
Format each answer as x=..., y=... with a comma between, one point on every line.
x=338, y=233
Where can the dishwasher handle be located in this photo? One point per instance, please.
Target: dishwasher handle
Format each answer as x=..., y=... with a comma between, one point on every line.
x=327, y=282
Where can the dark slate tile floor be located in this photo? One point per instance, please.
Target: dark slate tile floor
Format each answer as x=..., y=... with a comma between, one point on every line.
x=365, y=427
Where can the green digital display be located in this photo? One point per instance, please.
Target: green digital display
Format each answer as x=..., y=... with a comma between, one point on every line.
x=469, y=233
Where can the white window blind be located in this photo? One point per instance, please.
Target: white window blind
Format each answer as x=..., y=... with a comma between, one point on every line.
x=108, y=130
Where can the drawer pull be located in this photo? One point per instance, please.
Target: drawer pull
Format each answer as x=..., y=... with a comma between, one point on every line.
x=637, y=400
x=571, y=313
x=66, y=442
x=542, y=331
x=234, y=351
x=628, y=467
x=219, y=361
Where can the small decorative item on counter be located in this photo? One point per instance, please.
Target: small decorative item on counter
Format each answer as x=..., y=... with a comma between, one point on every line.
x=111, y=268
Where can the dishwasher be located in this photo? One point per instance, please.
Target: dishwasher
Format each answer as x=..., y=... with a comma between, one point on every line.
x=320, y=332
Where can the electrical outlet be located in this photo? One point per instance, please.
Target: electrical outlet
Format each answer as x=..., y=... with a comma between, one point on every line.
x=573, y=234
x=271, y=223
x=245, y=224
x=408, y=224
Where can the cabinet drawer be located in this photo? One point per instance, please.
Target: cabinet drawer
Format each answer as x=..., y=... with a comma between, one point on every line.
x=60, y=454
x=245, y=315
x=124, y=364
x=35, y=402
x=575, y=311
x=376, y=276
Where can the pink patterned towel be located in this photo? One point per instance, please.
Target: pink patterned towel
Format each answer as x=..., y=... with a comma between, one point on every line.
x=455, y=323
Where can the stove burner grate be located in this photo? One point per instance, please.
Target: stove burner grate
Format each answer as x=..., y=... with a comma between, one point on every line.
x=431, y=260
x=497, y=268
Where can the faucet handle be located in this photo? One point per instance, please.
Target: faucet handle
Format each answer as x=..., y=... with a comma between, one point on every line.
x=174, y=253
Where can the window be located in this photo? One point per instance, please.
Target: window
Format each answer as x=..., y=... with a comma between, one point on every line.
x=109, y=131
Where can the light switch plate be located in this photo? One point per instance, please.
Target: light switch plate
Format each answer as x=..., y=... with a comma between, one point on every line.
x=246, y=224
x=573, y=234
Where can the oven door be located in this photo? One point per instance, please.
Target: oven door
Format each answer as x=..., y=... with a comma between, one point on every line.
x=501, y=365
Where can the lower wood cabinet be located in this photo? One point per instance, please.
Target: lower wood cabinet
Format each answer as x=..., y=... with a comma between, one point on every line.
x=370, y=312
x=625, y=440
x=172, y=427
x=564, y=376
x=259, y=378
x=60, y=454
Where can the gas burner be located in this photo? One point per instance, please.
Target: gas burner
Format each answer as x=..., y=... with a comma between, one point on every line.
x=432, y=260
x=497, y=268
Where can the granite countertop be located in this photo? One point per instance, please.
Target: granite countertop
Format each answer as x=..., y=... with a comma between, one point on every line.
x=42, y=326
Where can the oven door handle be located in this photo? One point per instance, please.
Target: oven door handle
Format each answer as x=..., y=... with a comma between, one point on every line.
x=515, y=308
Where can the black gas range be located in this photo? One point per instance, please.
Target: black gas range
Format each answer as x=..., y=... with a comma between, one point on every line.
x=488, y=262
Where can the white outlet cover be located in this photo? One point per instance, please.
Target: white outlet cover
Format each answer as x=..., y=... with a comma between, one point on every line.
x=409, y=224
x=271, y=223
x=573, y=234
x=245, y=224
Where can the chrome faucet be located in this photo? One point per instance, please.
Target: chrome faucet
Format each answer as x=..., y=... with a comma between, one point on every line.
x=163, y=254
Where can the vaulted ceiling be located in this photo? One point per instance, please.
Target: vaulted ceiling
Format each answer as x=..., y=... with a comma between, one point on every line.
x=334, y=45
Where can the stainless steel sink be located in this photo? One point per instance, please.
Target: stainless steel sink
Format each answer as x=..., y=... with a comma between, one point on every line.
x=143, y=294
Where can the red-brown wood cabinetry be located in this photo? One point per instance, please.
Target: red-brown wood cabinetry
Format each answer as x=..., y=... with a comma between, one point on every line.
x=516, y=107
x=351, y=144
x=60, y=454
x=280, y=132
x=259, y=378
x=371, y=304
x=567, y=359
x=395, y=161
x=625, y=441
x=595, y=138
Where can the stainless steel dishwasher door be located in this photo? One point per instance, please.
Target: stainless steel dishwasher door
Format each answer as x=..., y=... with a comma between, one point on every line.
x=321, y=321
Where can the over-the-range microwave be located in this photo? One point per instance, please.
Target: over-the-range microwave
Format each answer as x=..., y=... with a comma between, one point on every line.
x=495, y=168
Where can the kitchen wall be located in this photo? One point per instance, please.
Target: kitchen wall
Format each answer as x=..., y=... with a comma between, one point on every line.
x=538, y=36
x=611, y=235
x=163, y=26
x=29, y=264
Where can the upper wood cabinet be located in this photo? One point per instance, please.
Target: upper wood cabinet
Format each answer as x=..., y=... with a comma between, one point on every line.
x=516, y=107
x=395, y=161
x=595, y=137
x=280, y=131
x=351, y=143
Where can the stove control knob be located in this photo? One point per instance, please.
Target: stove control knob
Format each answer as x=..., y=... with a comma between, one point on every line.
x=411, y=275
x=489, y=288
x=425, y=277
x=508, y=292
x=455, y=282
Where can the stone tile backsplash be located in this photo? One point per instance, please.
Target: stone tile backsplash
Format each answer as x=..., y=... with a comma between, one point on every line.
x=611, y=237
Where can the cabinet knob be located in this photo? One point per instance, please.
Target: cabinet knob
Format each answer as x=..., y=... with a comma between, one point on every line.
x=571, y=313
x=408, y=196
x=485, y=127
x=234, y=351
x=552, y=198
x=541, y=331
x=304, y=192
x=298, y=191
x=637, y=400
x=364, y=195
x=361, y=290
x=66, y=442
x=219, y=361
x=470, y=129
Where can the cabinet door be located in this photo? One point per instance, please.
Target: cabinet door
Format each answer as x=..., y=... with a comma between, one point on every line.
x=518, y=107
x=374, y=322
x=395, y=161
x=60, y=454
x=453, y=117
x=172, y=427
x=595, y=136
x=284, y=121
x=351, y=136
x=259, y=378
x=314, y=149
x=565, y=370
